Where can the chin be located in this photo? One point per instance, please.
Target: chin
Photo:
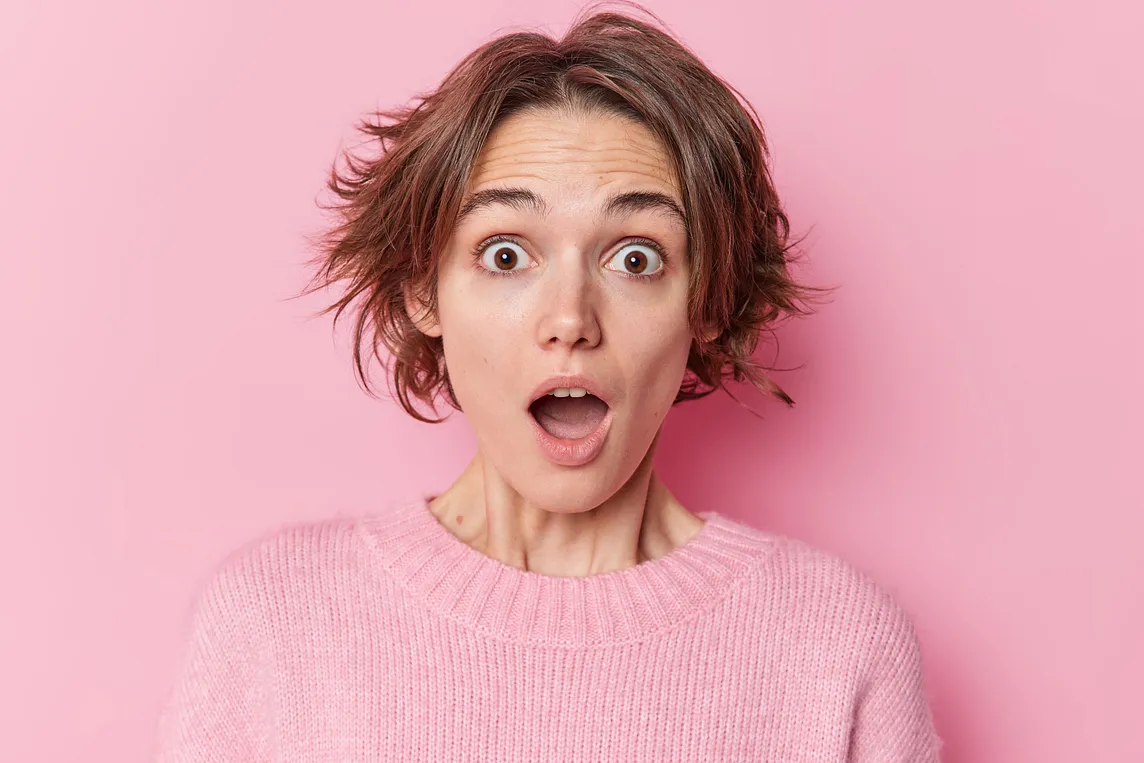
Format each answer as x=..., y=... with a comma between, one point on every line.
x=565, y=496
x=570, y=490
x=528, y=468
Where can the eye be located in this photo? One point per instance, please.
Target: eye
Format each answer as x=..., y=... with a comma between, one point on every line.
x=504, y=256
x=638, y=259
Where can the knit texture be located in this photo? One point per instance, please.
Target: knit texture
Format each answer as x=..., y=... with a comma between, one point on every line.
x=387, y=638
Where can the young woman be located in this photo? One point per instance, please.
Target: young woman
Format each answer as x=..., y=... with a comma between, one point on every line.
x=562, y=241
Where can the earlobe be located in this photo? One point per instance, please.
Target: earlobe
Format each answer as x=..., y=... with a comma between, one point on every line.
x=419, y=313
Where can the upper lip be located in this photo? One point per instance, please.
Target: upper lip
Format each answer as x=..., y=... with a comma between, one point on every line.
x=568, y=380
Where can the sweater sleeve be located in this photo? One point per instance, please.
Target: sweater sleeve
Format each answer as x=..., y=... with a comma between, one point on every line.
x=893, y=722
x=215, y=711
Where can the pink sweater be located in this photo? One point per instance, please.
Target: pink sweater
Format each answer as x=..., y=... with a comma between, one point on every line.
x=386, y=638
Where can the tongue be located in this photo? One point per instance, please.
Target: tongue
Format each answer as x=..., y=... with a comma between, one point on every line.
x=570, y=418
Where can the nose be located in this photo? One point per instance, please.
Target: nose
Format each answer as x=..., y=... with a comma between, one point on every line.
x=568, y=314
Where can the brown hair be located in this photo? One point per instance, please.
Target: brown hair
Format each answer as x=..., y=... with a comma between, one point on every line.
x=397, y=210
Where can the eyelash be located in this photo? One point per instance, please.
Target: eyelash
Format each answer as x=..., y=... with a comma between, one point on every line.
x=480, y=249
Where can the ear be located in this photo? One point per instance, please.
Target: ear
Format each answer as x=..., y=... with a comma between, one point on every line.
x=423, y=318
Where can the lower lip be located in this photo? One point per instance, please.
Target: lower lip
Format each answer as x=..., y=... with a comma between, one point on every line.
x=572, y=452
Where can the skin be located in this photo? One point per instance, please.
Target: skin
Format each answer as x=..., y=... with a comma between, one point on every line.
x=568, y=305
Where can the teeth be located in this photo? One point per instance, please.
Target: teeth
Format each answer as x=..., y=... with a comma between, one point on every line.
x=569, y=392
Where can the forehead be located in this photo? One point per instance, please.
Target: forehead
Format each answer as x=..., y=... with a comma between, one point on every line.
x=584, y=152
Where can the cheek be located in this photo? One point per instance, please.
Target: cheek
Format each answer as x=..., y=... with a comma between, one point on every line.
x=480, y=345
x=656, y=360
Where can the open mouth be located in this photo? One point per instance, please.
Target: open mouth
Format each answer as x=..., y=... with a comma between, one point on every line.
x=571, y=425
x=569, y=413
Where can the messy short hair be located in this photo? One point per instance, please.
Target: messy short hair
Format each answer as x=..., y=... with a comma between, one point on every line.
x=397, y=210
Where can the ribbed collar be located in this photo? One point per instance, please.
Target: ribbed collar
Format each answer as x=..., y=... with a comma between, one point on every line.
x=511, y=604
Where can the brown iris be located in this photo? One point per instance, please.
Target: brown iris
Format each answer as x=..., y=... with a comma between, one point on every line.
x=636, y=262
x=505, y=258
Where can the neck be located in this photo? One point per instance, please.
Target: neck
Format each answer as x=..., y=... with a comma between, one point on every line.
x=640, y=521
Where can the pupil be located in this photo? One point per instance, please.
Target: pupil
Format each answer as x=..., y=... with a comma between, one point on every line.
x=505, y=257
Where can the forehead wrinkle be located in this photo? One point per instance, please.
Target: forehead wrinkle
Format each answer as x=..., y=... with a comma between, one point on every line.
x=516, y=149
x=496, y=161
x=523, y=150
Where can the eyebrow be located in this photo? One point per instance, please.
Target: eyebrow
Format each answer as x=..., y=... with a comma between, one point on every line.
x=525, y=200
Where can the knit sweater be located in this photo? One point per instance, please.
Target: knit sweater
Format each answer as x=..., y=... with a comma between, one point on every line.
x=385, y=637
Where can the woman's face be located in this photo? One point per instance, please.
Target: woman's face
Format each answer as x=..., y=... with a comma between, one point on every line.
x=570, y=258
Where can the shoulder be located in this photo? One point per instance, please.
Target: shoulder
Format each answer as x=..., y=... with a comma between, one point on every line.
x=290, y=548
x=260, y=574
x=829, y=600
x=227, y=670
x=797, y=568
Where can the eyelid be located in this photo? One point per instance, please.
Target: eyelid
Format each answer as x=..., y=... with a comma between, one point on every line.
x=501, y=238
x=649, y=244
x=480, y=249
x=498, y=238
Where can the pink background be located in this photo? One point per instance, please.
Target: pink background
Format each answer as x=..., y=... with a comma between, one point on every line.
x=968, y=426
